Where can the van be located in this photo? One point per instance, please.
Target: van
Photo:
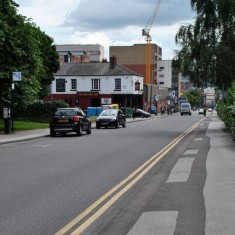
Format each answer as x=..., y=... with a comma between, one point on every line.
x=185, y=108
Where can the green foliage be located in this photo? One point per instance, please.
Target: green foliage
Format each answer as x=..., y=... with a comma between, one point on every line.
x=22, y=125
x=208, y=47
x=193, y=97
x=39, y=110
x=25, y=48
x=226, y=111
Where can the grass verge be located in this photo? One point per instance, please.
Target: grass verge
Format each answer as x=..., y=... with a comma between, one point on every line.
x=22, y=125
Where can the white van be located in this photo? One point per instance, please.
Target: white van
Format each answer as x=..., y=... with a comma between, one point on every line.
x=185, y=108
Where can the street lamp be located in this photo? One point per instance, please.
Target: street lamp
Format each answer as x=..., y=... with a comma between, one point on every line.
x=151, y=91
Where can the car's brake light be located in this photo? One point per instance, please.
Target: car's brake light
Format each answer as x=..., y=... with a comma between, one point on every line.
x=76, y=119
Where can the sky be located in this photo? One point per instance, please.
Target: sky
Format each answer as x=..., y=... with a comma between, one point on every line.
x=109, y=22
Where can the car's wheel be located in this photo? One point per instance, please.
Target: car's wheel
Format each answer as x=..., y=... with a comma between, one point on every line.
x=97, y=126
x=52, y=133
x=89, y=130
x=117, y=124
x=181, y=114
x=124, y=124
x=79, y=132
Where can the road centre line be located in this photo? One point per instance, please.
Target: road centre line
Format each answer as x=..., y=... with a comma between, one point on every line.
x=140, y=171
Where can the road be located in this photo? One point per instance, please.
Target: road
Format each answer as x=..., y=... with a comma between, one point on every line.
x=48, y=183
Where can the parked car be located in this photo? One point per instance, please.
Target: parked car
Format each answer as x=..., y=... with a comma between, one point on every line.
x=209, y=110
x=201, y=111
x=141, y=113
x=111, y=117
x=69, y=120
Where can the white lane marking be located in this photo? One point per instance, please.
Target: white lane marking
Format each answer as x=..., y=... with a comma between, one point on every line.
x=43, y=146
x=198, y=139
x=191, y=151
x=181, y=170
x=9, y=145
x=155, y=222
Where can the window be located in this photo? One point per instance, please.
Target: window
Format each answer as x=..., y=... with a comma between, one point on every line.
x=60, y=85
x=161, y=68
x=118, y=84
x=73, y=84
x=161, y=83
x=95, y=84
x=161, y=75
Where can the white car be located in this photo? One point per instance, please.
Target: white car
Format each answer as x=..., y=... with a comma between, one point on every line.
x=201, y=111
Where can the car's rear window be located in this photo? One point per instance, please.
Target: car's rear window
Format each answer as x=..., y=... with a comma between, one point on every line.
x=65, y=112
x=109, y=112
x=185, y=105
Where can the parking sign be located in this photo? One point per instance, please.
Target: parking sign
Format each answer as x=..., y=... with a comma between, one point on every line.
x=16, y=76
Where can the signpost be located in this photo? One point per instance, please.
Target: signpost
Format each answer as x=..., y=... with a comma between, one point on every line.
x=16, y=77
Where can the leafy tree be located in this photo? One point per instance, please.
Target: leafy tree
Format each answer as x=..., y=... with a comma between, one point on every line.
x=193, y=96
x=24, y=47
x=208, y=46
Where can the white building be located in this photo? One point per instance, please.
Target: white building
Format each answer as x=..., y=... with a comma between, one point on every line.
x=164, y=73
x=94, y=84
x=210, y=96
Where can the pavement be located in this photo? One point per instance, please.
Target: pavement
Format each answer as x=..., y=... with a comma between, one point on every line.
x=219, y=189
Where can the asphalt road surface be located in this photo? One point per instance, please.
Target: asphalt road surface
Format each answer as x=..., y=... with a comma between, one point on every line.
x=114, y=181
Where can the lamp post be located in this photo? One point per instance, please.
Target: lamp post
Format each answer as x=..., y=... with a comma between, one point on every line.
x=151, y=90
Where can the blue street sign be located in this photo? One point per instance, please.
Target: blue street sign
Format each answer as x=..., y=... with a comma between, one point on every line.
x=16, y=76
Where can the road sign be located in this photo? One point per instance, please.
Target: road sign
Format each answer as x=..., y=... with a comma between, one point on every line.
x=16, y=76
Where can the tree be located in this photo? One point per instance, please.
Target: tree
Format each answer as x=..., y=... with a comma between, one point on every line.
x=208, y=46
x=193, y=96
x=24, y=47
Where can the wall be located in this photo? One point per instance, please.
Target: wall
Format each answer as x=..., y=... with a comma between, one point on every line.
x=107, y=84
x=164, y=74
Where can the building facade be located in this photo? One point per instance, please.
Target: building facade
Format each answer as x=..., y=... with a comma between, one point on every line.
x=164, y=74
x=77, y=52
x=134, y=58
x=95, y=84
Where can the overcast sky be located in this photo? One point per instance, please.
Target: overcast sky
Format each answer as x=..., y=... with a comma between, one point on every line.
x=108, y=22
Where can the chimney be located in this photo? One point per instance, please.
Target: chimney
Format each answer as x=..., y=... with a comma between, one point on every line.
x=113, y=62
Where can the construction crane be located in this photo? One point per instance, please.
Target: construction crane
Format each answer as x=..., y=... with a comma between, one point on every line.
x=148, y=39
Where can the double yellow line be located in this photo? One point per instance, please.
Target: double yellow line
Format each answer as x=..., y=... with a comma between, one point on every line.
x=133, y=178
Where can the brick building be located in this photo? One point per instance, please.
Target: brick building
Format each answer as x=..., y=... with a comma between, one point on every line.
x=78, y=53
x=134, y=58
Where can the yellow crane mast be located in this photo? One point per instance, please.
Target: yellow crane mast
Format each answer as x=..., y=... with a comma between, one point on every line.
x=148, y=39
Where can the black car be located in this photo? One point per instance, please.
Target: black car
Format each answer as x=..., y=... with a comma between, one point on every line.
x=69, y=120
x=111, y=117
x=141, y=113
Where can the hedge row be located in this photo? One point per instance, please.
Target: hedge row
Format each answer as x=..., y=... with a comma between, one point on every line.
x=226, y=109
x=39, y=111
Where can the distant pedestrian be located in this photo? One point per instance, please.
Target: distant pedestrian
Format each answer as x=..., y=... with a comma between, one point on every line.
x=204, y=112
x=134, y=112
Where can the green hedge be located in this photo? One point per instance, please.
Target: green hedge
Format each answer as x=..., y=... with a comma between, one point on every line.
x=39, y=111
x=226, y=109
